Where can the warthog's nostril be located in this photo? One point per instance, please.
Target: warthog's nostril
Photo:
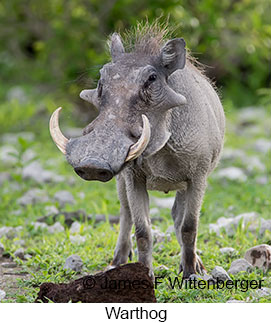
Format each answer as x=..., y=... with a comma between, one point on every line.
x=94, y=170
x=79, y=172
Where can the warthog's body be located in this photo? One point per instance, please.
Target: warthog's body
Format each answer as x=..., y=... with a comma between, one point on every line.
x=197, y=131
x=184, y=146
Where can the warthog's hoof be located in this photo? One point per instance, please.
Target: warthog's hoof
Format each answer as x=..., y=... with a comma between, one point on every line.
x=195, y=268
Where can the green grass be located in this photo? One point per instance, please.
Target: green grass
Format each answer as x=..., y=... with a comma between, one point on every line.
x=49, y=251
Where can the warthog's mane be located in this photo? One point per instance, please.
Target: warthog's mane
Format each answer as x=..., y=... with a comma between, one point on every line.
x=146, y=39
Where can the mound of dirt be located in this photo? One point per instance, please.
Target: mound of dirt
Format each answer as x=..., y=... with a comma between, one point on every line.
x=128, y=283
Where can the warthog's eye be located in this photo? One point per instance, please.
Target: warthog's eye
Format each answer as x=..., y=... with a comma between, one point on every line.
x=152, y=77
x=100, y=89
x=150, y=80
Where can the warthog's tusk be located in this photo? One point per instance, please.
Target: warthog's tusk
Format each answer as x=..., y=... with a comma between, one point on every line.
x=59, y=139
x=137, y=149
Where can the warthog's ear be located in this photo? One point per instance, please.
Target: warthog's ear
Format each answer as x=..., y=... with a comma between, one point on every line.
x=116, y=47
x=173, y=55
x=90, y=96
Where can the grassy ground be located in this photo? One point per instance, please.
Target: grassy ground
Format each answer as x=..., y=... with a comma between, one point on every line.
x=49, y=251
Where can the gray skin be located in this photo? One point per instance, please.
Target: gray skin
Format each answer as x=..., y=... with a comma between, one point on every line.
x=187, y=131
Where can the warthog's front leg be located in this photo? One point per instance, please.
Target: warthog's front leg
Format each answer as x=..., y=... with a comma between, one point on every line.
x=186, y=212
x=139, y=205
x=124, y=244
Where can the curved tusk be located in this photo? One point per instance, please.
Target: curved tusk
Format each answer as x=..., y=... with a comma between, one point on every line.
x=59, y=139
x=137, y=149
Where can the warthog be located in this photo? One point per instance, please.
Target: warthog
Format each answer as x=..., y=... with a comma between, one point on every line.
x=160, y=127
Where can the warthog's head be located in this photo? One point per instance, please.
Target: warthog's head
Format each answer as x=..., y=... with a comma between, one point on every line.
x=133, y=97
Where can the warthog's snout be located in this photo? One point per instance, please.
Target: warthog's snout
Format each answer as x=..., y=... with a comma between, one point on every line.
x=102, y=153
x=92, y=169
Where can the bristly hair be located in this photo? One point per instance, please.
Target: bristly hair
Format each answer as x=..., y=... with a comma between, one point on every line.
x=148, y=38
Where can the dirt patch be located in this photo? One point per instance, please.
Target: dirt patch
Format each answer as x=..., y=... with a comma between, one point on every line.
x=129, y=283
x=9, y=274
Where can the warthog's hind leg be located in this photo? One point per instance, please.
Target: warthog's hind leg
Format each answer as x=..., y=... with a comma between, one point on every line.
x=185, y=212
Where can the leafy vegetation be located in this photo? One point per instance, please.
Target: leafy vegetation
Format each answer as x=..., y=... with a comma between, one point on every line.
x=62, y=44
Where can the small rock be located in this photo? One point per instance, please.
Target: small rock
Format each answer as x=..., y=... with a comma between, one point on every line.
x=64, y=197
x=19, y=253
x=17, y=93
x=220, y=273
x=77, y=239
x=232, y=173
x=2, y=249
x=8, y=264
x=75, y=227
x=28, y=156
x=113, y=219
x=261, y=180
x=263, y=292
x=19, y=243
x=239, y=265
x=262, y=145
x=161, y=247
x=251, y=115
x=214, y=228
x=265, y=226
x=259, y=256
x=98, y=217
x=253, y=163
x=4, y=231
x=13, y=187
x=8, y=155
x=74, y=263
x=162, y=268
x=2, y=294
x=170, y=229
x=55, y=228
x=154, y=211
x=12, y=137
x=17, y=212
x=69, y=217
x=159, y=236
x=246, y=218
x=33, y=196
x=36, y=172
x=10, y=232
x=230, y=154
x=51, y=210
x=4, y=176
x=230, y=224
x=227, y=251
x=156, y=219
x=39, y=225
x=71, y=180
x=163, y=202
x=235, y=301
x=81, y=195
